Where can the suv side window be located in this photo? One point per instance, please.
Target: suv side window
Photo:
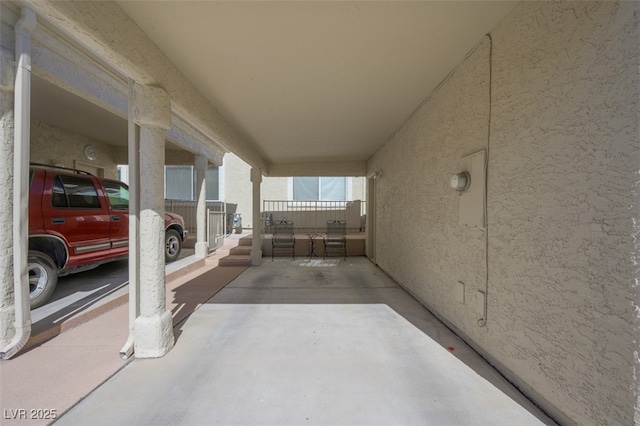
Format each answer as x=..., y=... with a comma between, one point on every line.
x=74, y=192
x=118, y=194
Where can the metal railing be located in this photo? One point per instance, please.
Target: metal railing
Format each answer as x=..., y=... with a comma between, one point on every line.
x=187, y=209
x=218, y=218
x=217, y=227
x=312, y=216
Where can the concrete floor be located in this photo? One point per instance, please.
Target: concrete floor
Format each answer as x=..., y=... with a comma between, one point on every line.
x=309, y=342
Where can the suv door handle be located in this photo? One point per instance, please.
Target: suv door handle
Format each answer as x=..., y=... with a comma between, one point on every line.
x=57, y=220
x=115, y=218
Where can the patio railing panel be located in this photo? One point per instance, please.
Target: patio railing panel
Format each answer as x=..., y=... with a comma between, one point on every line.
x=187, y=209
x=216, y=225
x=312, y=216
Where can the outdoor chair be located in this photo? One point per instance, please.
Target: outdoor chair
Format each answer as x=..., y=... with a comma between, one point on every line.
x=335, y=240
x=283, y=238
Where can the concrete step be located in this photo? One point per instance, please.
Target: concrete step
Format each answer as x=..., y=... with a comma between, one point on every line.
x=247, y=241
x=241, y=250
x=235, y=260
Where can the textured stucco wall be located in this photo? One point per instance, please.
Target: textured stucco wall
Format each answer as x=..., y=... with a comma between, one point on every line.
x=562, y=169
x=7, y=78
x=414, y=199
x=238, y=186
x=239, y=190
x=564, y=157
x=53, y=145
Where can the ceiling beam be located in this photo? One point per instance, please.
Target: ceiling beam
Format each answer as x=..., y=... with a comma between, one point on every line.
x=337, y=168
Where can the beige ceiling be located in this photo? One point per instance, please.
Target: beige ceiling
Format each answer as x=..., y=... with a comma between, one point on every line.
x=314, y=81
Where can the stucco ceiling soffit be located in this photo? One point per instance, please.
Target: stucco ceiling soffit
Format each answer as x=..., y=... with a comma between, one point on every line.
x=248, y=154
x=60, y=108
x=192, y=139
x=65, y=65
x=316, y=81
x=106, y=30
x=333, y=168
x=179, y=154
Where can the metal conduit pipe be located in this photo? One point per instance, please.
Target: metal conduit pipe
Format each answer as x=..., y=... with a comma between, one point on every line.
x=22, y=107
x=134, y=226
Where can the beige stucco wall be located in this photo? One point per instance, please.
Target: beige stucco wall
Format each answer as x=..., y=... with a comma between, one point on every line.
x=561, y=89
x=239, y=190
x=56, y=146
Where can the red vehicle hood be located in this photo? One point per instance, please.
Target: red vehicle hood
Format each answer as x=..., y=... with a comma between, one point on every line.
x=172, y=218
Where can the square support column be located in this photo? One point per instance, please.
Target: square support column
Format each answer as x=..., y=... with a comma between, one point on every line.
x=202, y=246
x=256, y=243
x=153, y=329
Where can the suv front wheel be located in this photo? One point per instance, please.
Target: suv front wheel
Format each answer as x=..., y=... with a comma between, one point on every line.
x=173, y=245
x=43, y=278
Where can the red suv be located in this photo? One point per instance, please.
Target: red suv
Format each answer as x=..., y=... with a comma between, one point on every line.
x=77, y=222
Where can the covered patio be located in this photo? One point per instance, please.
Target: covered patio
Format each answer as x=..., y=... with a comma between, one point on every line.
x=500, y=138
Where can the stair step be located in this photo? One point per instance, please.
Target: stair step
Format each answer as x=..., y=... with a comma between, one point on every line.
x=241, y=250
x=246, y=241
x=235, y=260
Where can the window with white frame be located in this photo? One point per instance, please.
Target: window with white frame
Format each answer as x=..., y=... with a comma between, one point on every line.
x=323, y=188
x=180, y=183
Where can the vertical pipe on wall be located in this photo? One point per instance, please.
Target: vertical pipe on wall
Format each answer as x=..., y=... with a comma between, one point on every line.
x=134, y=224
x=483, y=321
x=22, y=120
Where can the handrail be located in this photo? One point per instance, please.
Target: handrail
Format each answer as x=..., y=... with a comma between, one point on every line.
x=312, y=216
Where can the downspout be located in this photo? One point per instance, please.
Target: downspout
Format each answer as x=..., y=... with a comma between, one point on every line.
x=483, y=321
x=22, y=122
x=134, y=226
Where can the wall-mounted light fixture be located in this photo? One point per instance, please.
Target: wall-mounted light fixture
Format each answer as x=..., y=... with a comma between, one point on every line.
x=460, y=181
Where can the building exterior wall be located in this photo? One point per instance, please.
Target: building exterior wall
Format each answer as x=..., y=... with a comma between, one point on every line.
x=559, y=86
x=56, y=146
x=238, y=188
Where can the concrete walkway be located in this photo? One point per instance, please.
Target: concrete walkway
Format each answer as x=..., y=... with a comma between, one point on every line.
x=309, y=342
x=77, y=348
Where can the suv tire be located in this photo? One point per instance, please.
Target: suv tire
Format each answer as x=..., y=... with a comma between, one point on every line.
x=173, y=245
x=43, y=278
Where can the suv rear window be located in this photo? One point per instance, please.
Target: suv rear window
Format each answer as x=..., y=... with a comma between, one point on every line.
x=118, y=194
x=74, y=192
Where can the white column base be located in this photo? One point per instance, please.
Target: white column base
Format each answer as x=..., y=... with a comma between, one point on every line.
x=256, y=257
x=153, y=335
x=202, y=250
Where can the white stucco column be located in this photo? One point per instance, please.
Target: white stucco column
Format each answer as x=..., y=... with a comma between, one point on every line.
x=7, y=306
x=256, y=243
x=153, y=328
x=202, y=247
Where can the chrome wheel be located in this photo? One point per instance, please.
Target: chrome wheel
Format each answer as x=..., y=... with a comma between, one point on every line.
x=173, y=245
x=38, y=279
x=43, y=278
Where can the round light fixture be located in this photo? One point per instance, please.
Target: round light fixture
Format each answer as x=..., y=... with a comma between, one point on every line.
x=460, y=181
